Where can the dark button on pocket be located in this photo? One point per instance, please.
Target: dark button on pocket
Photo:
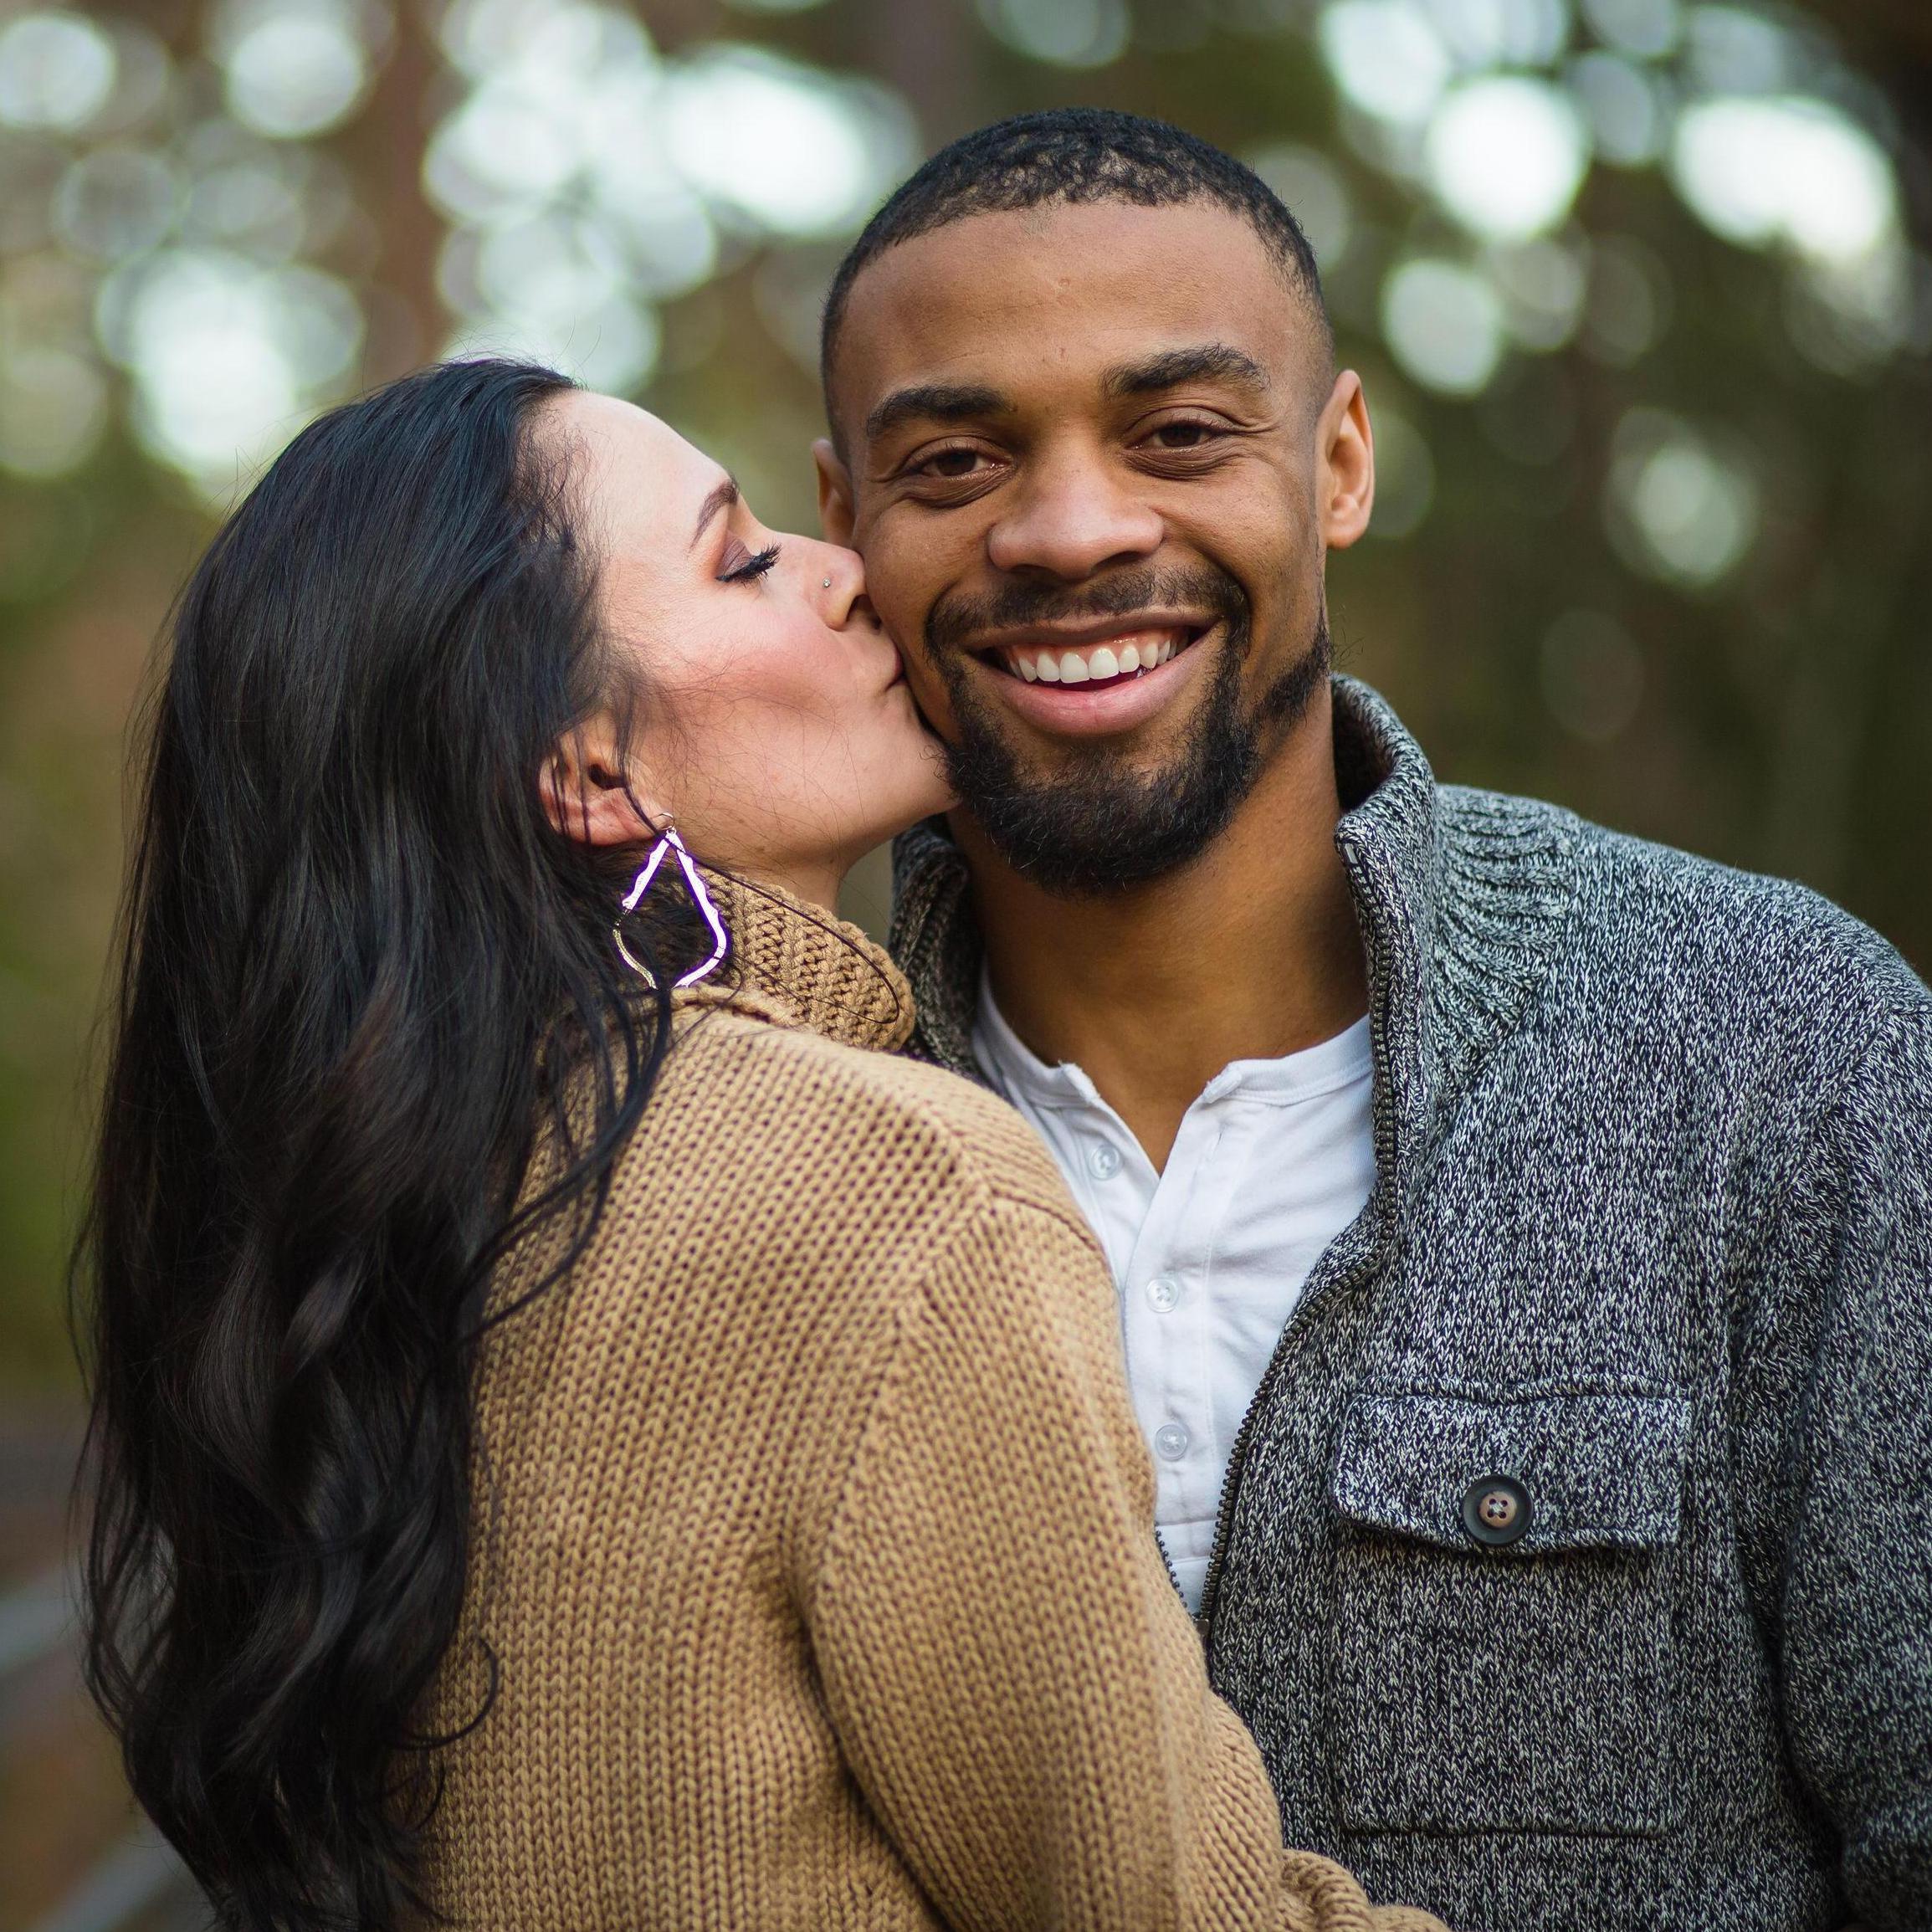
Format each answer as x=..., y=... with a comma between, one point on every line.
x=1496, y=1510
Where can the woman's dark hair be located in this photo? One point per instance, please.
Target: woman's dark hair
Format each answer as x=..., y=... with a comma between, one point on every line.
x=357, y=962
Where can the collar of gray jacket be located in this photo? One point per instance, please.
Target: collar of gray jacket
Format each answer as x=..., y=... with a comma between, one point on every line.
x=1463, y=897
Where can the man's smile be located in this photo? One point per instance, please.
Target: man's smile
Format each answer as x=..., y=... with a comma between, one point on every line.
x=1113, y=645
x=1105, y=676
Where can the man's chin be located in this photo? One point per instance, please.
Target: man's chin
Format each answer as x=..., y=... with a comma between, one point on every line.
x=1080, y=815
x=1095, y=814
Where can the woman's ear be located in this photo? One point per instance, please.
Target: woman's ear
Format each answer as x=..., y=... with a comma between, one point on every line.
x=588, y=796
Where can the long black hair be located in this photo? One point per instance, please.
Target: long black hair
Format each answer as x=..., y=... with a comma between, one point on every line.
x=356, y=957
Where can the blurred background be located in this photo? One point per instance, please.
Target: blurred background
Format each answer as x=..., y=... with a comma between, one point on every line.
x=1640, y=290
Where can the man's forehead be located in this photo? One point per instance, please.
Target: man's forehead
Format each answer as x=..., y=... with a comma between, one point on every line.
x=1093, y=285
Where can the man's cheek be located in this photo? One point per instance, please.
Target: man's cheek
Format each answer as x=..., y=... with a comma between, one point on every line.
x=929, y=689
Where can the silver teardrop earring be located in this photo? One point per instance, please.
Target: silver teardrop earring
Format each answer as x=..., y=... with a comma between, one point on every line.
x=669, y=841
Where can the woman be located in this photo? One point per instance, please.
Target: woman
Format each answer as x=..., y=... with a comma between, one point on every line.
x=586, y=1436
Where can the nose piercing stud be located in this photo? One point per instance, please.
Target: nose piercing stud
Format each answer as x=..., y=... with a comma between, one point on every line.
x=828, y=584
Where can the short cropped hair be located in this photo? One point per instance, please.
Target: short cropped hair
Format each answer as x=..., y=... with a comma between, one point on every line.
x=1073, y=155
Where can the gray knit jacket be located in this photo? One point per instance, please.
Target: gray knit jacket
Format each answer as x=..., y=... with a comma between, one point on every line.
x=1651, y=1238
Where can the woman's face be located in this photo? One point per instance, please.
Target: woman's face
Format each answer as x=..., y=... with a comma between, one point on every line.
x=774, y=724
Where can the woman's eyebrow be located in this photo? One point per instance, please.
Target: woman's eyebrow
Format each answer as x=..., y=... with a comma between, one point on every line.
x=1211, y=361
x=721, y=497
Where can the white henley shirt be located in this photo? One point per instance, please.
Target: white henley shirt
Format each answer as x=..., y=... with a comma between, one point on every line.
x=1273, y=1160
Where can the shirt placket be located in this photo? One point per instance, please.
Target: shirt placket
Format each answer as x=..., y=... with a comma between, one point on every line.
x=1166, y=1317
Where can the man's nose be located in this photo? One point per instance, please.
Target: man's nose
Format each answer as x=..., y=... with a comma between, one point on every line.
x=1074, y=515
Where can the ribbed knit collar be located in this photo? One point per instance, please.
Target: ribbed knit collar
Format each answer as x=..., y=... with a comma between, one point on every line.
x=1461, y=897
x=797, y=964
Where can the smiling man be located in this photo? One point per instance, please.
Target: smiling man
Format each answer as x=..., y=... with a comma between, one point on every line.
x=1523, y=1234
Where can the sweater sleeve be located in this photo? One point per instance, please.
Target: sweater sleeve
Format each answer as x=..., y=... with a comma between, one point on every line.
x=1016, y=1684
x=1852, y=1605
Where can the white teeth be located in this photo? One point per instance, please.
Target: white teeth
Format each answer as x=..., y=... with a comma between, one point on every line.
x=1099, y=663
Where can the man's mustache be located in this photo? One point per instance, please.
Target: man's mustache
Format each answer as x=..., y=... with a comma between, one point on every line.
x=955, y=621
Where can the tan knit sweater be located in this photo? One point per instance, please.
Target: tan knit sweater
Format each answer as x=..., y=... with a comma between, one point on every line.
x=813, y=1531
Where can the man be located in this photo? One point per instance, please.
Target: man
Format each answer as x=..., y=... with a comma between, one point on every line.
x=1523, y=1234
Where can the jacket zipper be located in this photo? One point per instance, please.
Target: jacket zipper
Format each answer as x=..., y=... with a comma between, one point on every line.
x=1167, y=1562
x=1237, y=1457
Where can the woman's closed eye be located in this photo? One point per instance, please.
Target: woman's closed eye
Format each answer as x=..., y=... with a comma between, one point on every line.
x=740, y=566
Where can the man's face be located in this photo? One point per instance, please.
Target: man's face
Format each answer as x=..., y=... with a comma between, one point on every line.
x=1094, y=456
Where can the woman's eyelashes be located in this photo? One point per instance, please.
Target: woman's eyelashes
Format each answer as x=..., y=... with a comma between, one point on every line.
x=740, y=566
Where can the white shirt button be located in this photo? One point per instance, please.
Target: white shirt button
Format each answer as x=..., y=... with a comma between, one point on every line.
x=1170, y=1442
x=1163, y=1291
x=1103, y=1161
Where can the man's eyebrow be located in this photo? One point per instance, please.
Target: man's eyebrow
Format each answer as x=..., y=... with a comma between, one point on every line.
x=721, y=497
x=1213, y=361
x=943, y=401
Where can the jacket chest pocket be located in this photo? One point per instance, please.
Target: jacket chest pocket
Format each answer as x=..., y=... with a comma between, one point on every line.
x=1502, y=1630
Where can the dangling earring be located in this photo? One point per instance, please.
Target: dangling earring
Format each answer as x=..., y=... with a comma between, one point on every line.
x=669, y=841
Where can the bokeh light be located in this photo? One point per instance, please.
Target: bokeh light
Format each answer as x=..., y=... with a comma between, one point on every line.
x=1624, y=106
x=56, y=72
x=157, y=219
x=1649, y=29
x=1543, y=286
x=226, y=356
x=1482, y=33
x=116, y=202
x=294, y=68
x=586, y=180
x=54, y=409
x=782, y=146
x=1444, y=324
x=1677, y=507
x=1063, y=33
x=1506, y=155
x=1314, y=188
x=1787, y=169
x=1387, y=59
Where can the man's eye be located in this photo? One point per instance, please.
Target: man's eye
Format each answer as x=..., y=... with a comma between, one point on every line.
x=1183, y=435
x=949, y=464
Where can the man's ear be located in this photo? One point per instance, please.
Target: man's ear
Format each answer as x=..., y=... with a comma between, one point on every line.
x=1346, y=463
x=837, y=515
x=586, y=796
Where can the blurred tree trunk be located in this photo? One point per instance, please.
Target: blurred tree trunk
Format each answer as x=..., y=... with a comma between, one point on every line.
x=1892, y=41
x=406, y=320
x=928, y=49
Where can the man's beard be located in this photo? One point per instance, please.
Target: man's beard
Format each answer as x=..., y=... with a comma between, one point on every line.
x=1094, y=827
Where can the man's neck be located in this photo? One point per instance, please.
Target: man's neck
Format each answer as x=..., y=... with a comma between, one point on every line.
x=1250, y=952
